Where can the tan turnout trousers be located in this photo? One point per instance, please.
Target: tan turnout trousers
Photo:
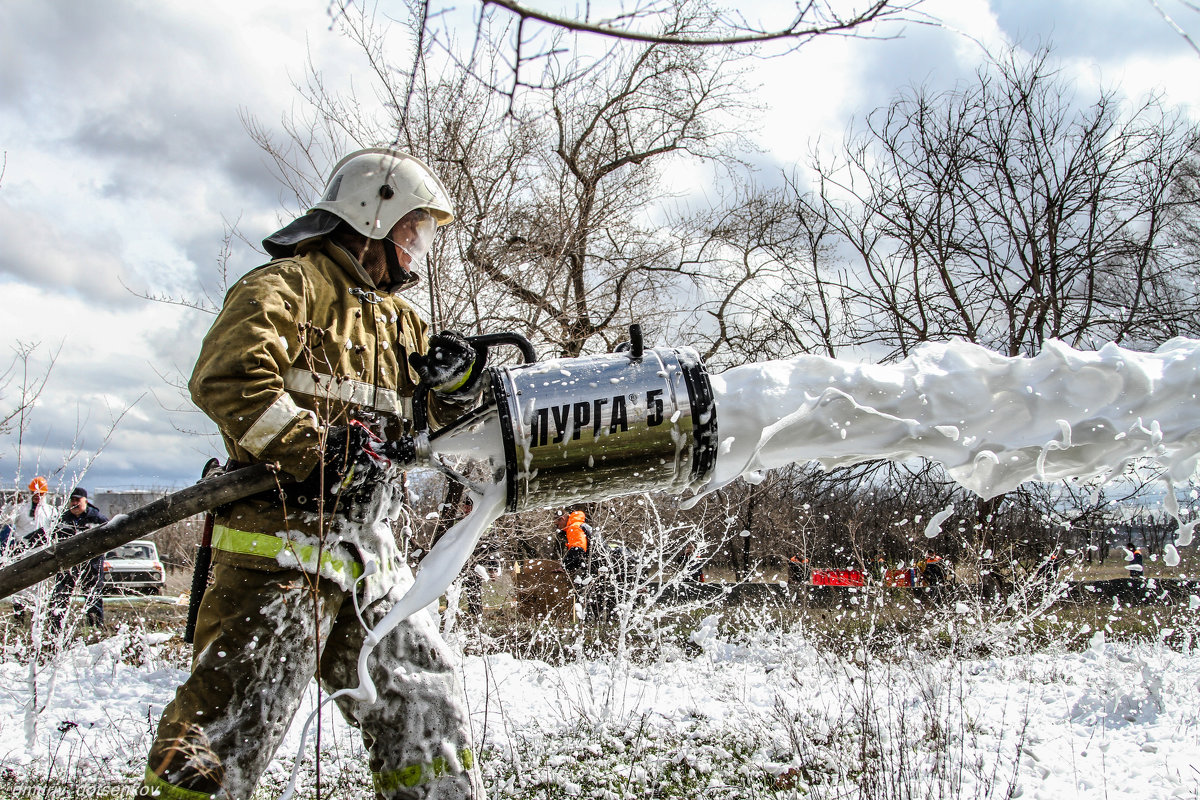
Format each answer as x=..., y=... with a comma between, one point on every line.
x=259, y=641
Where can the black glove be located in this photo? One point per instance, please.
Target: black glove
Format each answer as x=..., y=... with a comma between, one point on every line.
x=449, y=366
x=355, y=459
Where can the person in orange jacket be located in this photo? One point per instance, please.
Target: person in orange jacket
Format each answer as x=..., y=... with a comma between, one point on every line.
x=30, y=526
x=798, y=572
x=573, y=526
x=933, y=573
x=24, y=528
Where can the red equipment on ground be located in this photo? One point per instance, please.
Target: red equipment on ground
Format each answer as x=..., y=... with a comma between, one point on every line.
x=838, y=577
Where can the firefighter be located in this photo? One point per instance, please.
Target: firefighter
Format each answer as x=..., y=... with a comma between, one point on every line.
x=312, y=364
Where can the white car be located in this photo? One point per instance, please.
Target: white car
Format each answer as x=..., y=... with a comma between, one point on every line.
x=134, y=567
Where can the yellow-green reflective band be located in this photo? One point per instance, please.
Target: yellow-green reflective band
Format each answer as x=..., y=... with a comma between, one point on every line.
x=458, y=384
x=161, y=790
x=418, y=774
x=249, y=543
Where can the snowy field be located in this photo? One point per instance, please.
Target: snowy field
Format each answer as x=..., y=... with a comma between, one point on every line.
x=756, y=714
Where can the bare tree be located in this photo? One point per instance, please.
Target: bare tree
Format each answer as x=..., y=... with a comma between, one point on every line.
x=557, y=191
x=1003, y=214
x=534, y=35
x=578, y=249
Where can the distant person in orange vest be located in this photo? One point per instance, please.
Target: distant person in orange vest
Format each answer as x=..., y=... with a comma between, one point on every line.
x=797, y=569
x=573, y=527
x=1134, y=565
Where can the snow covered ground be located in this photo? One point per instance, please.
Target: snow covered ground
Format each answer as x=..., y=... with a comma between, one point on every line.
x=759, y=714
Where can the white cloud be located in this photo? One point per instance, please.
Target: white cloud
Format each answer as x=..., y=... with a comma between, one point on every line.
x=40, y=253
x=108, y=364
x=125, y=152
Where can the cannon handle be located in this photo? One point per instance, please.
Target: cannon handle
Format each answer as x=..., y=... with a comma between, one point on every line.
x=207, y=494
x=484, y=343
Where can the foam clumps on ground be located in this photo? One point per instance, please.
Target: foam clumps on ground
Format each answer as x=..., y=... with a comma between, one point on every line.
x=1108, y=721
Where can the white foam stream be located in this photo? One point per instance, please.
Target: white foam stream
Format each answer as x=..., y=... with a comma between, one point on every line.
x=993, y=421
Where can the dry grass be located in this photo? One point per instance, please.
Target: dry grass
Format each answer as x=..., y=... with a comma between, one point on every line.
x=843, y=620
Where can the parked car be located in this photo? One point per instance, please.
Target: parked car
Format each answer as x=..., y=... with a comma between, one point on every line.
x=134, y=567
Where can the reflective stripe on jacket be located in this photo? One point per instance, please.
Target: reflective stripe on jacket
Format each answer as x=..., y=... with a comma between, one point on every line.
x=312, y=559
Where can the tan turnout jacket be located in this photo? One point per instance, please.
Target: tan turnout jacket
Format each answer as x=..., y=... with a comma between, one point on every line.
x=303, y=341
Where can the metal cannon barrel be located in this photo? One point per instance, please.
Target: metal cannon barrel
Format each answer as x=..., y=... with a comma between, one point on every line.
x=596, y=427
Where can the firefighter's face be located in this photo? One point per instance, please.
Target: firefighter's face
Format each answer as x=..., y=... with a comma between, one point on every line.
x=412, y=237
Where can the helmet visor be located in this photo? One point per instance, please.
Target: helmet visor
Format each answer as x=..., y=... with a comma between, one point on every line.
x=414, y=234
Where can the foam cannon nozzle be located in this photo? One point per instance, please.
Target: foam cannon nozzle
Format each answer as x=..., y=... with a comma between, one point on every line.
x=592, y=427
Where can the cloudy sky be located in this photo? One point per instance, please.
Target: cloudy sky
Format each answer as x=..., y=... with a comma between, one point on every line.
x=125, y=158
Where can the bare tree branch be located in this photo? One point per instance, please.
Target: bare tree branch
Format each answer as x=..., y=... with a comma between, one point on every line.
x=1174, y=25
x=800, y=29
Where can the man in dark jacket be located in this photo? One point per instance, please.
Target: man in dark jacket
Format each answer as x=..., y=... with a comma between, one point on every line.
x=87, y=578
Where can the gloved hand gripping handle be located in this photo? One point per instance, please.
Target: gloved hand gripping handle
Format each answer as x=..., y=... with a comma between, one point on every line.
x=483, y=343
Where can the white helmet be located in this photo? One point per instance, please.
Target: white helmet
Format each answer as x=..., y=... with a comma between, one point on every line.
x=372, y=189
